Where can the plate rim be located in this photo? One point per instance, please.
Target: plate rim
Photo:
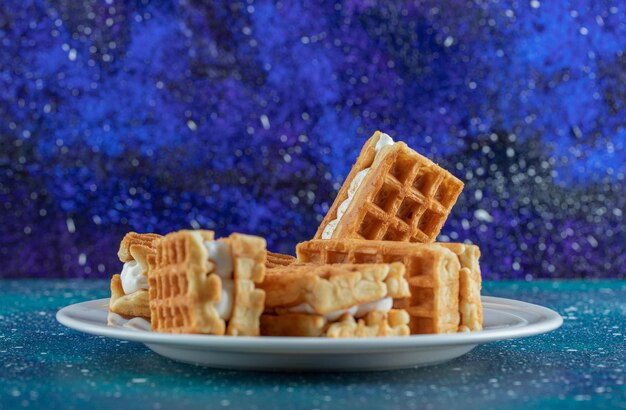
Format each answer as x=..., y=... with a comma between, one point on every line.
x=550, y=320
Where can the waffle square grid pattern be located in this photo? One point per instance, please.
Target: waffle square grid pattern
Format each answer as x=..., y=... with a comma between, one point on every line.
x=179, y=288
x=173, y=289
x=413, y=201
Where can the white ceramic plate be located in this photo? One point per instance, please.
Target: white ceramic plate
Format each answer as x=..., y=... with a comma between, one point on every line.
x=503, y=319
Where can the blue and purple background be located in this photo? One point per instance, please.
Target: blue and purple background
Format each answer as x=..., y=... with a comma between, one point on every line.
x=157, y=116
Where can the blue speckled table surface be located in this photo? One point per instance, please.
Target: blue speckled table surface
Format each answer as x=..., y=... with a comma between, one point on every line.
x=580, y=365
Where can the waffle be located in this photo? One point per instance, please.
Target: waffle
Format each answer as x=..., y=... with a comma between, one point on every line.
x=404, y=197
x=185, y=289
x=470, y=305
x=431, y=271
x=134, y=247
x=329, y=288
x=278, y=259
x=135, y=304
x=374, y=324
x=133, y=243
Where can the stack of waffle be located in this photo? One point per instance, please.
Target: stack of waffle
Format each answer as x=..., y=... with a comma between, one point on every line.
x=391, y=208
x=129, y=294
x=372, y=269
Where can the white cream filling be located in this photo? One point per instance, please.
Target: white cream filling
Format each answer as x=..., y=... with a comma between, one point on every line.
x=330, y=316
x=383, y=141
x=221, y=256
x=137, y=323
x=329, y=229
x=133, y=278
x=225, y=305
x=381, y=305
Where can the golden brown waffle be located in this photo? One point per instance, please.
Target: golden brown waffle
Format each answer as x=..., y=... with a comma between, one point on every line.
x=249, y=256
x=135, y=304
x=181, y=293
x=374, y=324
x=184, y=290
x=404, y=196
x=275, y=260
x=329, y=288
x=431, y=271
x=470, y=282
x=134, y=247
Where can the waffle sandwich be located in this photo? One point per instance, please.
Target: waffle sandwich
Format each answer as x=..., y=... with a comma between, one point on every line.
x=392, y=193
x=349, y=300
x=202, y=285
x=432, y=272
x=129, y=290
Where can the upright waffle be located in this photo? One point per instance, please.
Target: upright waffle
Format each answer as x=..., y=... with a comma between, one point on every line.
x=402, y=197
x=134, y=247
x=275, y=260
x=186, y=290
x=470, y=282
x=431, y=271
